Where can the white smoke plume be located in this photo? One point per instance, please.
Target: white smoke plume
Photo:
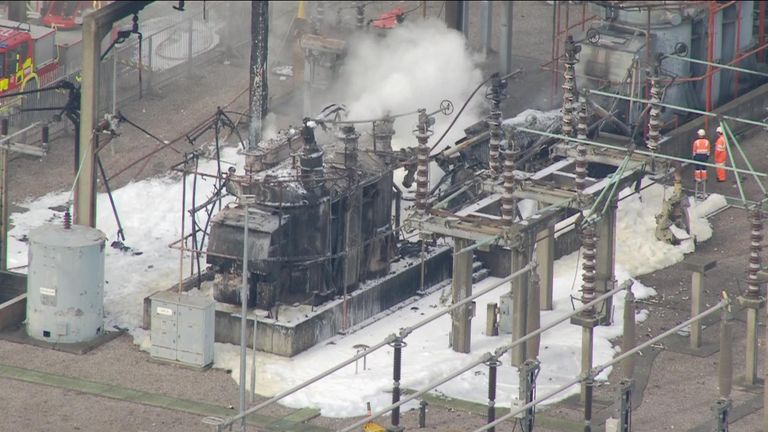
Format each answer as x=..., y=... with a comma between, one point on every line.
x=416, y=65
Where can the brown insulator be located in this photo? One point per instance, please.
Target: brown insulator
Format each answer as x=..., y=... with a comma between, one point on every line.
x=383, y=131
x=581, y=150
x=494, y=127
x=589, y=253
x=494, y=95
x=755, y=246
x=508, y=202
x=422, y=133
x=654, y=121
x=568, y=87
x=67, y=219
x=349, y=137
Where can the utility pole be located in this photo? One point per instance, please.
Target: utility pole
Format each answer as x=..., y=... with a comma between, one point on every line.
x=258, y=82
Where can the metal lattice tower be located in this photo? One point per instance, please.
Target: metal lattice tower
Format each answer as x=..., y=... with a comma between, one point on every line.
x=755, y=246
x=589, y=253
x=422, y=133
x=654, y=122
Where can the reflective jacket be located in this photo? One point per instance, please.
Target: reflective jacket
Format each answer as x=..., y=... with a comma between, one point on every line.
x=701, y=146
x=721, y=150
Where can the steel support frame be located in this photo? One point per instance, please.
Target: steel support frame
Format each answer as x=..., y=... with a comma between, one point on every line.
x=96, y=25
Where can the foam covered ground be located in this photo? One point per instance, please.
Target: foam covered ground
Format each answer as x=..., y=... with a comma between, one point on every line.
x=150, y=211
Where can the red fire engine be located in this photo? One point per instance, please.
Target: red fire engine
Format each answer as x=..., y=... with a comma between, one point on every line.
x=28, y=57
x=65, y=15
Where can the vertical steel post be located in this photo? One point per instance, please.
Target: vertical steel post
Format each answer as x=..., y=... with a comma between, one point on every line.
x=253, y=363
x=725, y=372
x=244, y=313
x=487, y=26
x=545, y=257
x=588, y=387
x=519, y=290
x=114, y=80
x=528, y=373
x=422, y=414
x=3, y=209
x=505, y=45
x=534, y=315
x=96, y=26
x=398, y=346
x=751, y=299
x=493, y=365
x=190, y=45
x=697, y=305
x=629, y=339
x=626, y=386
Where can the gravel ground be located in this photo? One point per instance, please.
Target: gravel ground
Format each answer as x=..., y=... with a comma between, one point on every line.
x=31, y=407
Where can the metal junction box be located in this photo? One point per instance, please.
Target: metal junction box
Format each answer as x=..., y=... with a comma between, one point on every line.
x=182, y=328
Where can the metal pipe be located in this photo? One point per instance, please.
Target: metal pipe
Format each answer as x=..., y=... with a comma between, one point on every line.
x=243, y=313
x=598, y=369
x=485, y=358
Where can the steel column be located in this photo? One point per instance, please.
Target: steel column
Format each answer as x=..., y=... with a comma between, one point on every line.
x=96, y=26
x=3, y=209
x=519, y=290
x=461, y=288
x=398, y=346
x=545, y=263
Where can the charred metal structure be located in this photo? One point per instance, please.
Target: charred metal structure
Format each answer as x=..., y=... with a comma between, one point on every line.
x=321, y=224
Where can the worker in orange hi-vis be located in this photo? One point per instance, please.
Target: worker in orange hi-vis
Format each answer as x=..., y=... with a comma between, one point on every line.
x=700, y=154
x=721, y=155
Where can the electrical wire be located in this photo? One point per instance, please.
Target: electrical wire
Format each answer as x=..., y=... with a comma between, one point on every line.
x=463, y=107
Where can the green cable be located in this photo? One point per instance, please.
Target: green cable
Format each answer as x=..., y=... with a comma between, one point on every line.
x=730, y=133
x=733, y=164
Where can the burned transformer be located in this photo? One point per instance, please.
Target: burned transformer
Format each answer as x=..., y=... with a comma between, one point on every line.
x=319, y=225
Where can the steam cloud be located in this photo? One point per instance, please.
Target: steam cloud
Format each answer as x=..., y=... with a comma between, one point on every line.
x=417, y=65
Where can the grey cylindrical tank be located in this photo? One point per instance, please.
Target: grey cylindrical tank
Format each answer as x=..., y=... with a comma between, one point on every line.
x=65, y=284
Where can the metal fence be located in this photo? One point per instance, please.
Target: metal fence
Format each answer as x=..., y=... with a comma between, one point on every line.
x=171, y=47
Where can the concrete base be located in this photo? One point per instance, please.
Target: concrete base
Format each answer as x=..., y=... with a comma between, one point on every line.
x=19, y=334
x=741, y=383
x=395, y=429
x=310, y=326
